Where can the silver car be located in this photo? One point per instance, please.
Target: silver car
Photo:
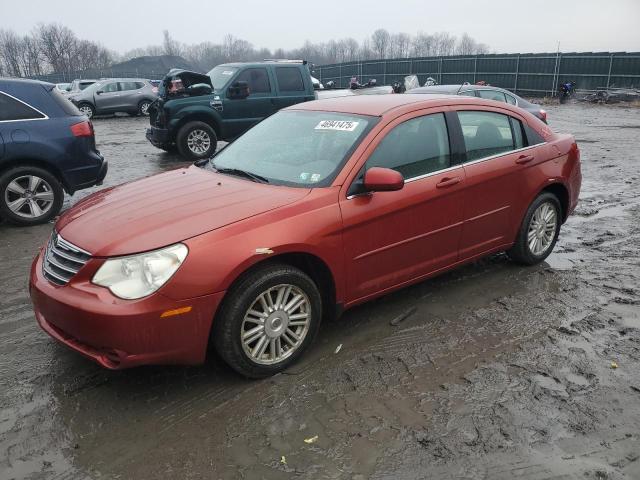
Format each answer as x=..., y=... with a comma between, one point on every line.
x=129, y=95
x=485, y=91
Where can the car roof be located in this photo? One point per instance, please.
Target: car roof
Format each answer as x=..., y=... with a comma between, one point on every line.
x=455, y=88
x=378, y=105
x=24, y=82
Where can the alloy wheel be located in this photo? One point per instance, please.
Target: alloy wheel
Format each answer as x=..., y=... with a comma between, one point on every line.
x=198, y=141
x=29, y=196
x=542, y=229
x=86, y=110
x=276, y=324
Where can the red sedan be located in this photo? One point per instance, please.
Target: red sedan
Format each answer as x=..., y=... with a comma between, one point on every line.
x=320, y=207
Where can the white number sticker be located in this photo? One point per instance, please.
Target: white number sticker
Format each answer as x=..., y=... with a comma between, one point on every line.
x=340, y=125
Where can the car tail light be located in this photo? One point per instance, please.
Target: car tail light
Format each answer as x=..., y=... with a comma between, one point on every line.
x=543, y=115
x=82, y=129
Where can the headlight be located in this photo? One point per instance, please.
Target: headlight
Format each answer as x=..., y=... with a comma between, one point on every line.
x=137, y=276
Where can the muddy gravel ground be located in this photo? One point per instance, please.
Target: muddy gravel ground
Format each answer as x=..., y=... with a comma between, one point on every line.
x=497, y=372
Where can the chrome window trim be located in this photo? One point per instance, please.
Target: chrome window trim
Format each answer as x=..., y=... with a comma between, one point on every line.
x=502, y=154
x=431, y=174
x=45, y=116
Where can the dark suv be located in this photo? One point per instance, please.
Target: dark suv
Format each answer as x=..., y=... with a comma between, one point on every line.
x=47, y=147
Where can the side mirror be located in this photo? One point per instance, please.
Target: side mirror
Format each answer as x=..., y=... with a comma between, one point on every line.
x=199, y=89
x=99, y=92
x=378, y=179
x=239, y=90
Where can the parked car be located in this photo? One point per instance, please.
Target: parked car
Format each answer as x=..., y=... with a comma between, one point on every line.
x=129, y=95
x=318, y=208
x=47, y=147
x=79, y=85
x=488, y=92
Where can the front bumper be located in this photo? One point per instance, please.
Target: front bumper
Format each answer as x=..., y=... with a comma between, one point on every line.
x=159, y=137
x=117, y=333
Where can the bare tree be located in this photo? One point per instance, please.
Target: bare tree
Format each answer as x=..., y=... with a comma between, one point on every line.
x=380, y=42
x=399, y=45
x=171, y=46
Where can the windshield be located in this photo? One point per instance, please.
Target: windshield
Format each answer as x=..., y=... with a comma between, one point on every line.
x=220, y=75
x=296, y=148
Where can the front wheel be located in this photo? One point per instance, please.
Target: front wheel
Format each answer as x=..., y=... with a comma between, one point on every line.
x=196, y=140
x=87, y=110
x=267, y=321
x=539, y=231
x=29, y=195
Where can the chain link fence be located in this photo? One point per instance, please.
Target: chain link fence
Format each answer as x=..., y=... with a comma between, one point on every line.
x=68, y=77
x=528, y=74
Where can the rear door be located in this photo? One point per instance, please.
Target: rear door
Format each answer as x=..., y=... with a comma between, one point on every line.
x=108, y=100
x=494, y=164
x=242, y=113
x=392, y=238
x=290, y=87
x=130, y=95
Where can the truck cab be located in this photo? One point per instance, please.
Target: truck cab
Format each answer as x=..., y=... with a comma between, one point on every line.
x=194, y=110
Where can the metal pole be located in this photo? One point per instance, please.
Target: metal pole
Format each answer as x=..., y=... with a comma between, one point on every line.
x=440, y=71
x=475, y=68
x=609, y=74
x=515, y=87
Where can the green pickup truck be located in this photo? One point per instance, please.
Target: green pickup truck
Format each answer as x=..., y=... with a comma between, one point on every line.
x=194, y=110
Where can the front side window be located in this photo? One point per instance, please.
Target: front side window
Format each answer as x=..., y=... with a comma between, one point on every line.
x=289, y=79
x=109, y=87
x=492, y=95
x=296, y=148
x=257, y=78
x=12, y=109
x=511, y=99
x=416, y=147
x=486, y=134
x=468, y=93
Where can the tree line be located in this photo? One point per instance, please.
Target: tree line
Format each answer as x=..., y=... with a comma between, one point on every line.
x=49, y=48
x=381, y=44
x=54, y=48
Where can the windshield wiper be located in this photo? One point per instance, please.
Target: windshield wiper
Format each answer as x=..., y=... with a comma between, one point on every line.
x=241, y=173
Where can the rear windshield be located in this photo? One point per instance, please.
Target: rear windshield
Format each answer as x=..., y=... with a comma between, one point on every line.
x=64, y=103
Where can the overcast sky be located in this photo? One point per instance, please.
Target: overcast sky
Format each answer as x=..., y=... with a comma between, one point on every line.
x=505, y=25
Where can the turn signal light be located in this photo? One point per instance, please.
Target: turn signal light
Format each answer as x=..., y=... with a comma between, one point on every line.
x=82, y=129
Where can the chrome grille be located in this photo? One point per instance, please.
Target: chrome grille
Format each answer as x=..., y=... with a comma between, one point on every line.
x=62, y=260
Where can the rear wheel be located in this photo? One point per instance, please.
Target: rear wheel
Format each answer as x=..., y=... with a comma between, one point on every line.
x=196, y=140
x=143, y=107
x=29, y=195
x=267, y=321
x=539, y=230
x=87, y=109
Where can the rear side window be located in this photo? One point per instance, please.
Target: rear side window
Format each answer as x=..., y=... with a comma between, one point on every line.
x=64, y=103
x=12, y=109
x=416, y=147
x=492, y=95
x=130, y=85
x=468, y=93
x=516, y=129
x=257, y=78
x=289, y=79
x=486, y=134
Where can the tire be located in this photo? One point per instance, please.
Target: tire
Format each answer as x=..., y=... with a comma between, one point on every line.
x=196, y=140
x=525, y=249
x=143, y=108
x=234, y=319
x=87, y=109
x=40, y=192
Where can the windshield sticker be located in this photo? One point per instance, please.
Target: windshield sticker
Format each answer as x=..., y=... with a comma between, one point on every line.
x=315, y=177
x=340, y=125
x=304, y=176
x=227, y=72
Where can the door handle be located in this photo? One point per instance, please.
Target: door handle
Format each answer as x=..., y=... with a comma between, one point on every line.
x=522, y=159
x=447, y=182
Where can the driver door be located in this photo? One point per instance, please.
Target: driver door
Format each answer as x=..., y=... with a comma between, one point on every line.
x=394, y=238
x=109, y=99
x=242, y=113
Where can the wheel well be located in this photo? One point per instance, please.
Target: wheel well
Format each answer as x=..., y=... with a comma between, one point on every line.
x=313, y=266
x=36, y=163
x=200, y=117
x=562, y=194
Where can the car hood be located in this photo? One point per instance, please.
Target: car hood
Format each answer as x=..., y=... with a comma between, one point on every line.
x=165, y=209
